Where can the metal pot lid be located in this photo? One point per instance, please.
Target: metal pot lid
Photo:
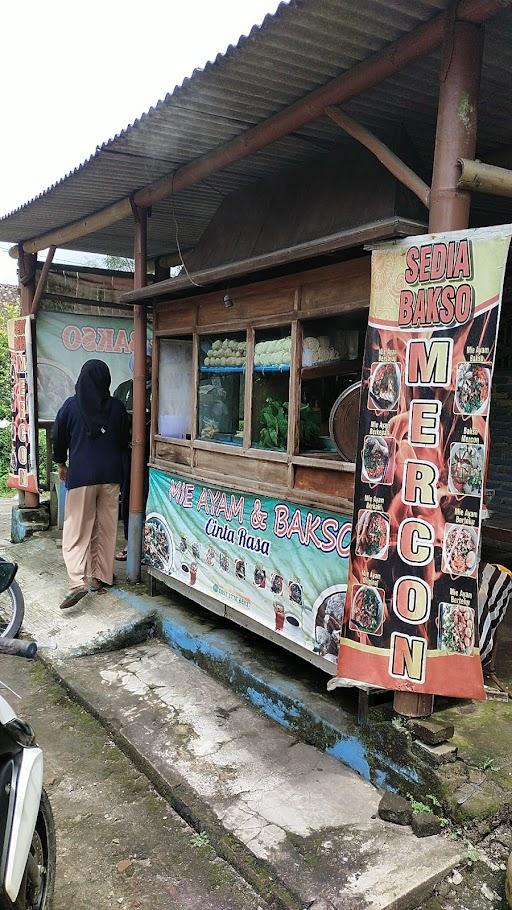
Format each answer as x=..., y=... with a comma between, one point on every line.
x=344, y=422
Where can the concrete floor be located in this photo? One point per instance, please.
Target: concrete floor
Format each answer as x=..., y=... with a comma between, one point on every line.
x=306, y=819
x=275, y=806
x=119, y=843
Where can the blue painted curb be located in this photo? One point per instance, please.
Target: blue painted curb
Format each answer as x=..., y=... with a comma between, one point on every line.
x=378, y=752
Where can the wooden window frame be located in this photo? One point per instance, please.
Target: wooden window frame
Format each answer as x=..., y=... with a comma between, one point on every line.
x=292, y=456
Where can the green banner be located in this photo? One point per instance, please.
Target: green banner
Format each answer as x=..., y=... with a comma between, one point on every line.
x=65, y=341
x=283, y=565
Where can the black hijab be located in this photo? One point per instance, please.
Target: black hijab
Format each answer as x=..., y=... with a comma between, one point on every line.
x=93, y=396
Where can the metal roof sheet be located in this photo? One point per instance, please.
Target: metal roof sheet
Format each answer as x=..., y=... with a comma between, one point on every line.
x=305, y=44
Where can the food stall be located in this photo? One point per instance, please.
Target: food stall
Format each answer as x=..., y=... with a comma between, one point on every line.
x=250, y=503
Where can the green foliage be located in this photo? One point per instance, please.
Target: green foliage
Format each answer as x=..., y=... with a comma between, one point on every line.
x=200, y=840
x=7, y=311
x=417, y=806
x=5, y=454
x=423, y=808
x=488, y=764
x=118, y=263
x=274, y=425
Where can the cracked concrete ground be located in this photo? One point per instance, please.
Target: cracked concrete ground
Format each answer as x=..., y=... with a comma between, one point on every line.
x=270, y=803
x=119, y=843
x=309, y=818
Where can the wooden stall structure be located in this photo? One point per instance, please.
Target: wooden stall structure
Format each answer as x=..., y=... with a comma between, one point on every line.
x=267, y=210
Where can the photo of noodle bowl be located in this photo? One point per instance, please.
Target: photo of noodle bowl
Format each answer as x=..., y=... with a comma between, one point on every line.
x=54, y=384
x=328, y=610
x=460, y=550
x=465, y=477
x=367, y=611
x=472, y=388
x=384, y=388
x=372, y=534
x=378, y=459
x=158, y=543
x=456, y=629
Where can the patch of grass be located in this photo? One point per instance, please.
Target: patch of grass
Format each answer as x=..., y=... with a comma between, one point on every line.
x=200, y=840
x=488, y=764
x=472, y=856
x=418, y=806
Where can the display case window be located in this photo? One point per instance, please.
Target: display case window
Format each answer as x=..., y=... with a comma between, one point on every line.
x=331, y=362
x=271, y=388
x=175, y=388
x=221, y=388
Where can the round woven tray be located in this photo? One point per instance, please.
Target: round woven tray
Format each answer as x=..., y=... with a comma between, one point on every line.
x=344, y=422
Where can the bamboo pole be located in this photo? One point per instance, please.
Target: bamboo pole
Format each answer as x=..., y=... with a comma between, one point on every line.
x=484, y=178
x=403, y=173
x=88, y=225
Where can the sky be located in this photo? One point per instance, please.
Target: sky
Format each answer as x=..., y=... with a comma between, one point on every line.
x=74, y=73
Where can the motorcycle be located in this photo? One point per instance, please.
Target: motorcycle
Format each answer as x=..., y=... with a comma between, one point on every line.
x=27, y=828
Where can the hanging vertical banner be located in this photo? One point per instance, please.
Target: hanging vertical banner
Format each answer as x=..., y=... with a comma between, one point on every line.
x=23, y=466
x=410, y=619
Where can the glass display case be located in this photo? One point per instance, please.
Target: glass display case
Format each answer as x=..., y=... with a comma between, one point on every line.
x=175, y=388
x=221, y=388
x=331, y=361
x=271, y=388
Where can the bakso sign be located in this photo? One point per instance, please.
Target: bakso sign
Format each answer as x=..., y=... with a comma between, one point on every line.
x=278, y=564
x=411, y=608
x=65, y=341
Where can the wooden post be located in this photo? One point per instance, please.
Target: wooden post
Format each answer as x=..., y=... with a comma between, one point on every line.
x=136, y=519
x=456, y=125
x=27, y=281
x=43, y=278
x=449, y=206
x=391, y=162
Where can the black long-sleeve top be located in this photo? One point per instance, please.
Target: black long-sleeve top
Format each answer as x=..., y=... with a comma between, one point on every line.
x=91, y=461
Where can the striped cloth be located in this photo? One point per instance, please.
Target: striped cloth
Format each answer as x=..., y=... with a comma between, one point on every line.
x=493, y=597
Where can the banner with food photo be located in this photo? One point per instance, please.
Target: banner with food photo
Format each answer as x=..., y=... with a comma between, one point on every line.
x=411, y=606
x=65, y=341
x=23, y=461
x=283, y=565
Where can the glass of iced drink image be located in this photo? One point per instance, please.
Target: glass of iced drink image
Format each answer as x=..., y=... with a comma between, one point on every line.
x=279, y=616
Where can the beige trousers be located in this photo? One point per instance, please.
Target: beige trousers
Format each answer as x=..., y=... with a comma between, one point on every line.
x=90, y=532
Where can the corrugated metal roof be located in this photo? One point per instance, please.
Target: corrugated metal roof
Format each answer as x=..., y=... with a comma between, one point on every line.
x=305, y=44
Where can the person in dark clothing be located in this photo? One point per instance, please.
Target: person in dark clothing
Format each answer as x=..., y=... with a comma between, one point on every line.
x=91, y=435
x=124, y=393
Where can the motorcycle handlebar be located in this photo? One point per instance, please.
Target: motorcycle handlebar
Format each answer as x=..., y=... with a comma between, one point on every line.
x=16, y=648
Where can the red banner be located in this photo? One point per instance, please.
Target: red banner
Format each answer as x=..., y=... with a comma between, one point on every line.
x=411, y=608
x=23, y=466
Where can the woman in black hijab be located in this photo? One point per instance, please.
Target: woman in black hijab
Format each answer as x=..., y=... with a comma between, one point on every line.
x=90, y=437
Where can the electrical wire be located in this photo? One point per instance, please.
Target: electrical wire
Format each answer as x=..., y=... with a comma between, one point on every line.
x=187, y=273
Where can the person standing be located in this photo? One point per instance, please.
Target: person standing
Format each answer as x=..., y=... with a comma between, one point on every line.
x=91, y=436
